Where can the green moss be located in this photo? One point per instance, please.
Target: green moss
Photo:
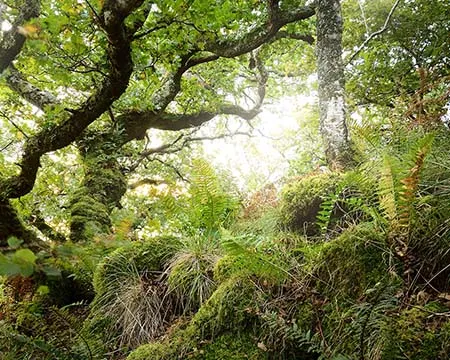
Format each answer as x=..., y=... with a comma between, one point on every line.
x=229, y=308
x=229, y=266
x=231, y=347
x=89, y=216
x=413, y=334
x=225, y=347
x=351, y=263
x=154, y=351
x=301, y=200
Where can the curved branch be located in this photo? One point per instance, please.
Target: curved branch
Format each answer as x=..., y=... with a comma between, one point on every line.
x=261, y=34
x=56, y=137
x=31, y=93
x=13, y=41
x=295, y=36
x=232, y=47
x=136, y=123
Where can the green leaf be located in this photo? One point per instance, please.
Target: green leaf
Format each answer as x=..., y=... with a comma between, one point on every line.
x=8, y=267
x=43, y=290
x=25, y=255
x=51, y=271
x=14, y=242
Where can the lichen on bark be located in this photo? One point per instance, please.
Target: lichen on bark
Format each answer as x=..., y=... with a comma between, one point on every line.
x=330, y=70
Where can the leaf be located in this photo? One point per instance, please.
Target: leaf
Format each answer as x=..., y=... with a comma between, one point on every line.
x=43, y=290
x=51, y=271
x=8, y=267
x=25, y=255
x=14, y=242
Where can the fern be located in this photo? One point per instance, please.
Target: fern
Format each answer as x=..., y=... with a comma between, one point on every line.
x=211, y=206
x=398, y=186
x=388, y=191
x=255, y=260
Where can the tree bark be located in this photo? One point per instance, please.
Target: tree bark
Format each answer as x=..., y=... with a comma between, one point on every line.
x=330, y=71
x=103, y=186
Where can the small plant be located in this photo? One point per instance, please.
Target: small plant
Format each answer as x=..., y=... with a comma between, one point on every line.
x=190, y=271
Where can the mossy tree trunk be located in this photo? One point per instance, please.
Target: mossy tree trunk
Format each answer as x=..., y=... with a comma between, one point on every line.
x=103, y=186
x=330, y=71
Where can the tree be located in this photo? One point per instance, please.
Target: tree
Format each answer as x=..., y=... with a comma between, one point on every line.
x=330, y=72
x=405, y=53
x=88, y=66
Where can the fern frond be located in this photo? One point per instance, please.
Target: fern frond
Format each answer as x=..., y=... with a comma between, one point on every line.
x=410, y=182
x=388, y=191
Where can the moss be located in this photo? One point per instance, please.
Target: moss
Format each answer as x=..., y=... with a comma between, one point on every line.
x=351, y=263
x=88, y=217
x=230, y=308
x=301, y=202
x=229, y=266
x=154, y=351
x=413, y=334
x=231, y=346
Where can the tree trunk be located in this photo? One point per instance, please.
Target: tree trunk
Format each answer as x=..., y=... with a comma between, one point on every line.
x=102, y=188
x=330, y=71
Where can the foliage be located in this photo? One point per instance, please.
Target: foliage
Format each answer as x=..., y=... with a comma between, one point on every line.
x=118, y=240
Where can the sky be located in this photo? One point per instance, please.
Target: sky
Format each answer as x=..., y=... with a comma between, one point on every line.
x=264, y=157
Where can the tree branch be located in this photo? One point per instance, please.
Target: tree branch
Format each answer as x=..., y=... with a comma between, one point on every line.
x=58, y=136
x=39, y=223
x=376, y=33
x=295, y=36
x=31, y=93
x=136, y=123
x=229, y=48
x=169, y=148
x=261, y=34
x=13, y=41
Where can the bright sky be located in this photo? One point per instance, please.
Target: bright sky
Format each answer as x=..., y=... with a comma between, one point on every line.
x=262, y=158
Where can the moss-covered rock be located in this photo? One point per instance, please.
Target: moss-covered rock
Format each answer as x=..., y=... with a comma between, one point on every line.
x=351, y=263
x=153, y=351
x=301, y=201
x=414, y=334
x=130, y=294
x=231, y=346
x=229, y=266
x=145, y=256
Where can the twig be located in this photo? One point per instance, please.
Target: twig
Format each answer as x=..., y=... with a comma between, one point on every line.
x=376, y=33
x=180, y=175
x=6, y=146
x=14, y=124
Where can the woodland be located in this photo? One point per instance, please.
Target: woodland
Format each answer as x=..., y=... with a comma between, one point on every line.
x=122, y=238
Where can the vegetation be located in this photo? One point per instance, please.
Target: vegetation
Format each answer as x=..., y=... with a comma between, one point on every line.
x=121, y=238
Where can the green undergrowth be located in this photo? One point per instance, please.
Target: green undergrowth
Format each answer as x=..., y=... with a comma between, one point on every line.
x=230, y=308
